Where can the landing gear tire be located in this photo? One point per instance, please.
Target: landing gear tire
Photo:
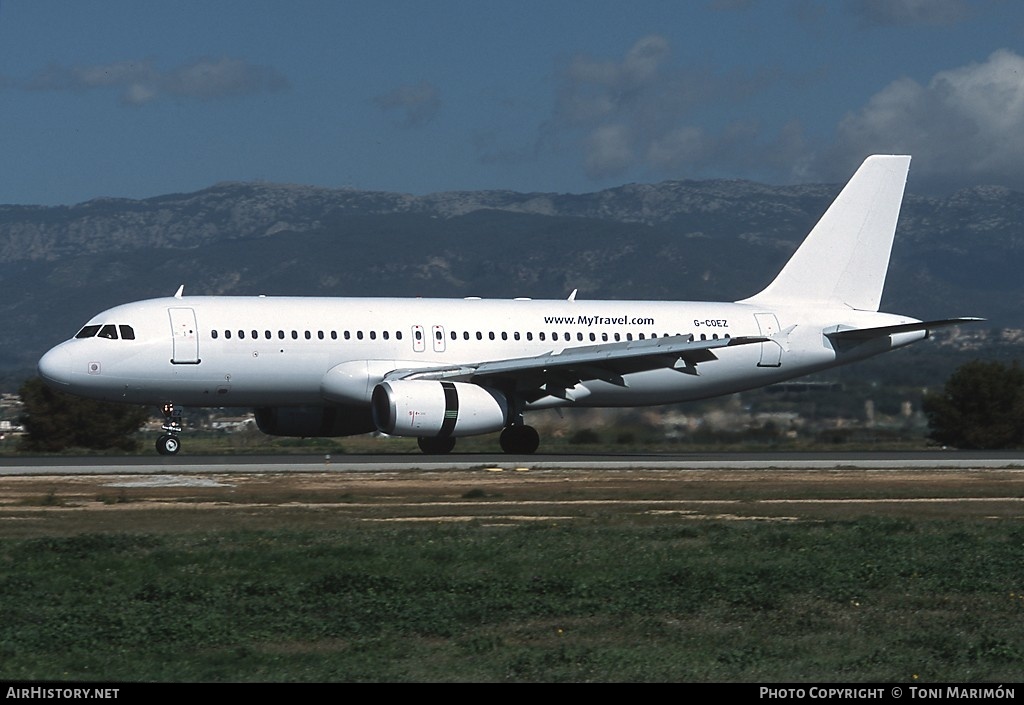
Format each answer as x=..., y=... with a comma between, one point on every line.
x=168, y=444
x=436, y=446
x=519, y=439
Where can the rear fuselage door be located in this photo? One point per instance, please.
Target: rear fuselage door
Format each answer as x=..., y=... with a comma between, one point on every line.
x=771, y=352
x=185, y=336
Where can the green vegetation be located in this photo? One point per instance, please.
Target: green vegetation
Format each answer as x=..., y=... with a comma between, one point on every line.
x=55, y=421
x=868, y=599
x=981, y=406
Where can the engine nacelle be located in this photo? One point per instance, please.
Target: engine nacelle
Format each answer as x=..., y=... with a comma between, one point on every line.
x=426, y=408
x=314, y=421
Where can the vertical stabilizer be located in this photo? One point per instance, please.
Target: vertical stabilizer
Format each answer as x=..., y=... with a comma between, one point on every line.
x=844, y=259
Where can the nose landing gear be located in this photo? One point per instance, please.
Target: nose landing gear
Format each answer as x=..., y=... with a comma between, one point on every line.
x=169, y=443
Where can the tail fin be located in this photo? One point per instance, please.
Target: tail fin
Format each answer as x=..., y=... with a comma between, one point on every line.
x=844, y=259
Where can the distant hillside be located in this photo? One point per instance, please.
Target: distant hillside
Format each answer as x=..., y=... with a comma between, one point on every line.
x=718, y=240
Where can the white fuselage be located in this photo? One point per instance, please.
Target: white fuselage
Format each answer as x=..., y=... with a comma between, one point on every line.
x=278, y=351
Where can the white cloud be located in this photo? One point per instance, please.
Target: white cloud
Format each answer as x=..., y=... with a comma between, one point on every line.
x=209, y=79
x=140, y=82
x=965, y=126
x=418, y=103
x=640, y=112
x=888, y=13
x=609, y=151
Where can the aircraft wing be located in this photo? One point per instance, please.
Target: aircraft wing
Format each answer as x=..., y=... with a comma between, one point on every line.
x=861, y=334
x=563, y=368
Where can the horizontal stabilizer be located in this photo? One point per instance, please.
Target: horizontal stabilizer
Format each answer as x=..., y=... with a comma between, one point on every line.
x=882, y=331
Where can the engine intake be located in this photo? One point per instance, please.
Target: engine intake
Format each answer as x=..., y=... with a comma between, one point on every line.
x=426, y=409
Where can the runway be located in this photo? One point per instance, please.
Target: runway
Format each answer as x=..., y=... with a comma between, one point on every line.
x=228, y=464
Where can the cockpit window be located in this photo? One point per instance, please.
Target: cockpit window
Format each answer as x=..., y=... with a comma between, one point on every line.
x=108, y=331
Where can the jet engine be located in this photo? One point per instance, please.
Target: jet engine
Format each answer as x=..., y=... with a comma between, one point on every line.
x=426, y=408
x=314, y=421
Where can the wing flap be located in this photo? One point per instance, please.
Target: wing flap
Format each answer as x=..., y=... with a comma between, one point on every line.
x=568, y=366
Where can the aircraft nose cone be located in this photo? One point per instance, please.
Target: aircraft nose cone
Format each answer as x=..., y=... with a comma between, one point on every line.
x=55, y=366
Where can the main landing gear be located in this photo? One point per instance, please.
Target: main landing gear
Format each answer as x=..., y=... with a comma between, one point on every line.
x=518, y=439
x=169, y=443
x=436, y=446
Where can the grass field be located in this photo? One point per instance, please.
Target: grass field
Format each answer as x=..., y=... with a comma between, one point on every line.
x=912, y=577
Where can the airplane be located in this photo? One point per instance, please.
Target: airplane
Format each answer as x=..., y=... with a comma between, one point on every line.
x=439, y=369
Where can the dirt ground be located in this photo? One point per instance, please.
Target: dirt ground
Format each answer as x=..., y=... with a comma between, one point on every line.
x=68, y=504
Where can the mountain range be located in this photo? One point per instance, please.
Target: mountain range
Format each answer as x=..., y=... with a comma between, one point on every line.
x=718, y=240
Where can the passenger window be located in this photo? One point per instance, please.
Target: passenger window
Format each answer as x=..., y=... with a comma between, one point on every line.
x=320, y=334
x=529, y=336
x=604, y=337
x=479, y=335
x=127, y=332
x=504, y=335
x=334, y=335
x=455, y=336
x=516, y=335
x=213, y=334
x=348, y=336
x=241, y=335
x=579, y=337
x=309, y=335
x=255, y=334
x=266, y=334
x=359, y=334
x=465, y=335
x=541, y=335
x=592, y=337
x=280, y=334
x=88, y=332
x=373, y=335
x=109, y=331
x=385, y=335
x=491, y=335
x=398, y=335
x=295, y=335
x=227, y=334
x=617, y=337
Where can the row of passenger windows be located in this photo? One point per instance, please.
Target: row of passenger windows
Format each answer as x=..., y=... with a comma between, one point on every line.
x=567, y=337
x=439, y=335
x=308, y=335
x=109, y=330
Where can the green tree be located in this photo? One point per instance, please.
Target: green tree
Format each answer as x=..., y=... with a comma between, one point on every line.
x=55, y=421
x=981, y=406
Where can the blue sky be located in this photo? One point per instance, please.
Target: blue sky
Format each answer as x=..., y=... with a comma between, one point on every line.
x=112, y=98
